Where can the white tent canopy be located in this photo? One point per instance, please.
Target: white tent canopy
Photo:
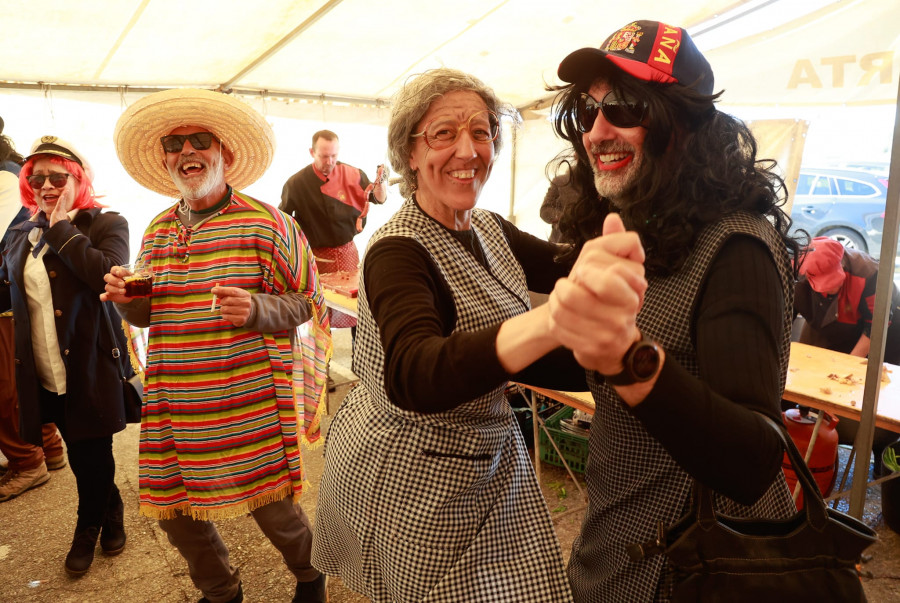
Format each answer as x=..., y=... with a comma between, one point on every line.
x=344, y=50
x=359, y=52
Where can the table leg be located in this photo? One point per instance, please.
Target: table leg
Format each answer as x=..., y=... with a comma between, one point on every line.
x=537, y=440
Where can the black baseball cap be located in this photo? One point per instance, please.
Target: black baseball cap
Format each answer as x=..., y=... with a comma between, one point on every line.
x=648, y=50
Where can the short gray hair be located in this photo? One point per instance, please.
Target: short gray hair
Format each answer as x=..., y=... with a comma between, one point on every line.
x=414, y=99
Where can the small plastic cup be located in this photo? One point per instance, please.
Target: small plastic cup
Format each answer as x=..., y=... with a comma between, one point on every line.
x=139, y=282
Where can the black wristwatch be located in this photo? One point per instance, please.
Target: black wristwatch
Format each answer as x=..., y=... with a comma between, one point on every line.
x=640, y=362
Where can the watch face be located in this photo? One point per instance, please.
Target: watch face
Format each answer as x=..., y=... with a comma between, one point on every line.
x=645, y=362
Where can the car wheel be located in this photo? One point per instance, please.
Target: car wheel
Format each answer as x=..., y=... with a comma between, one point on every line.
x=848, y=238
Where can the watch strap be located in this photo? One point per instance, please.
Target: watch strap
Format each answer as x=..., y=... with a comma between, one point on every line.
x=640, y=351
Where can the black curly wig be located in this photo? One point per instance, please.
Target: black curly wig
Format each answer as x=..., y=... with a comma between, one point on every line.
x=699, y=165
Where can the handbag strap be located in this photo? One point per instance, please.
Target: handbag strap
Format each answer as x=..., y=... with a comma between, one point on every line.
x=813, y=504
x=116, y=352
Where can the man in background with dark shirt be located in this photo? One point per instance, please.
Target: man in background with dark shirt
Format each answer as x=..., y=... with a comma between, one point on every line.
x=330, y=200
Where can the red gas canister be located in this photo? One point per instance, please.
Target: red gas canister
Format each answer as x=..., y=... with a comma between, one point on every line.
x=824, y=459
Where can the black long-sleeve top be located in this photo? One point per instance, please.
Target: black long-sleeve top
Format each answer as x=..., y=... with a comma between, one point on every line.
x=705, y=423
x=428, y=367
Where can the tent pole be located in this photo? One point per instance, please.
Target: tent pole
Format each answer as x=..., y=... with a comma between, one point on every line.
x=512, y=178
x=321, y=12
x=880, y=320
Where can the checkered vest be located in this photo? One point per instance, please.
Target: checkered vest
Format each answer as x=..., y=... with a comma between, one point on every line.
x=482, y=297
x=632, y=481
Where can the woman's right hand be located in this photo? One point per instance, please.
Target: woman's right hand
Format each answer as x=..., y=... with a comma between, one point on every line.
x=593, y=311
x=115, y=286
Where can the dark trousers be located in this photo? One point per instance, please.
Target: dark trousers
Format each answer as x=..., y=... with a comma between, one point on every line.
x=91, y=461
x=285, y=525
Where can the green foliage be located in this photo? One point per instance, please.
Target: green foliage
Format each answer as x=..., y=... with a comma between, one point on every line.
x=560, y=489
x=890, y=459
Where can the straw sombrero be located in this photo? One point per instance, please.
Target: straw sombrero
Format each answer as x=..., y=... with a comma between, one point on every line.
x=243, y=131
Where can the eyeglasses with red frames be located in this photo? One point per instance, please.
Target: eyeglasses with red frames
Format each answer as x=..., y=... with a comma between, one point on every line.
x=57, y=179
x=442, y=131
x=620, y=110
x=173, y=143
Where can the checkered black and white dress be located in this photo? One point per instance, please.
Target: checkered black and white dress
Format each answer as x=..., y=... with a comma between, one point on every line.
x=633, y=483
x=437, y=507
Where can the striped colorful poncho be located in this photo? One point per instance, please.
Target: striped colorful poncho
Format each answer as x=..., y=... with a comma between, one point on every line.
x=220, y=432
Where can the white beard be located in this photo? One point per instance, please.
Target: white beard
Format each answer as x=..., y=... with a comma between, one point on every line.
x=194, y=189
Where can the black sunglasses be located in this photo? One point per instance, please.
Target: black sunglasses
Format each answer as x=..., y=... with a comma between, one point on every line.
x=57, y=180
x=620, y=111
x=173, y=143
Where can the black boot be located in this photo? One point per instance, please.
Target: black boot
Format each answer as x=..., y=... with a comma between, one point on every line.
x=112, y=534
x=81, y=555
x=311, y=592
x=238, y=598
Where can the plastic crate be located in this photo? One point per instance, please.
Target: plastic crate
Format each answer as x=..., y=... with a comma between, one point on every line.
x=574, y=448
x=520, y=402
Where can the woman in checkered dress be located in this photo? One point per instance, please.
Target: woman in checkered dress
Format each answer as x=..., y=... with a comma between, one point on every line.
x=428, y=493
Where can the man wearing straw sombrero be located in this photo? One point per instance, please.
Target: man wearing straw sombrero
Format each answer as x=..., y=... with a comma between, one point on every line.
x=227, y=369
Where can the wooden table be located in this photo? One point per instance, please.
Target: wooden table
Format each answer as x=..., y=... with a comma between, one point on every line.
x=340, y=290
x=340, y=302
x=818, y=378
x=834, y=382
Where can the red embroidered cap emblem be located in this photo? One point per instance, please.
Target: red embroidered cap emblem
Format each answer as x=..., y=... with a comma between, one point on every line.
x=625, y=39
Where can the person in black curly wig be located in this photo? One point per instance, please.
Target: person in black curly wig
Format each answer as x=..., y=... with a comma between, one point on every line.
x=713, y=332
x=691, y=151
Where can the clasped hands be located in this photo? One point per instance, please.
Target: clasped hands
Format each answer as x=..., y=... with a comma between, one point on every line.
x=593, y=311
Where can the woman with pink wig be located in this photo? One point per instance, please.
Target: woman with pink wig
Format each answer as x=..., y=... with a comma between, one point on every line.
x=67, y=357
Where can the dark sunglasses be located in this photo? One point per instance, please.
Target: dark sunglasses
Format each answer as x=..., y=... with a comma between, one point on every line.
x=57, y=180
x=620, y=111
x=173, y=143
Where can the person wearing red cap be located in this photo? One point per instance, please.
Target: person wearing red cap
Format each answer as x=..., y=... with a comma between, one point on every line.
x=712, y=336
x=835, y=295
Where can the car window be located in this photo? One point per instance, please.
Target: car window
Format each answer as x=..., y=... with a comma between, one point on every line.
x=855, y=188
x=804, y=183
x=823, y=186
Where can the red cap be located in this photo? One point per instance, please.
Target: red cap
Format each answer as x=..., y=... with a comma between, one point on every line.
x=821, y=265
x=648, y=50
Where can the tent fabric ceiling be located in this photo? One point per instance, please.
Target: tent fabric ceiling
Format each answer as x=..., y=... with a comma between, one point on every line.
x=842, y=53
x=339, y=49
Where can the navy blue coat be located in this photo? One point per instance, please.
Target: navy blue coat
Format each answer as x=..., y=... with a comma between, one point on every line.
x=76, y=266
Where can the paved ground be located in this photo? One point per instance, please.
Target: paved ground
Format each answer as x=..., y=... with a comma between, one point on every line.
x=36, y=530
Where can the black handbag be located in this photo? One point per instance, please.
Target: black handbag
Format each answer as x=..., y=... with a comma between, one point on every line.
x=811, y=556
x=132, y=387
